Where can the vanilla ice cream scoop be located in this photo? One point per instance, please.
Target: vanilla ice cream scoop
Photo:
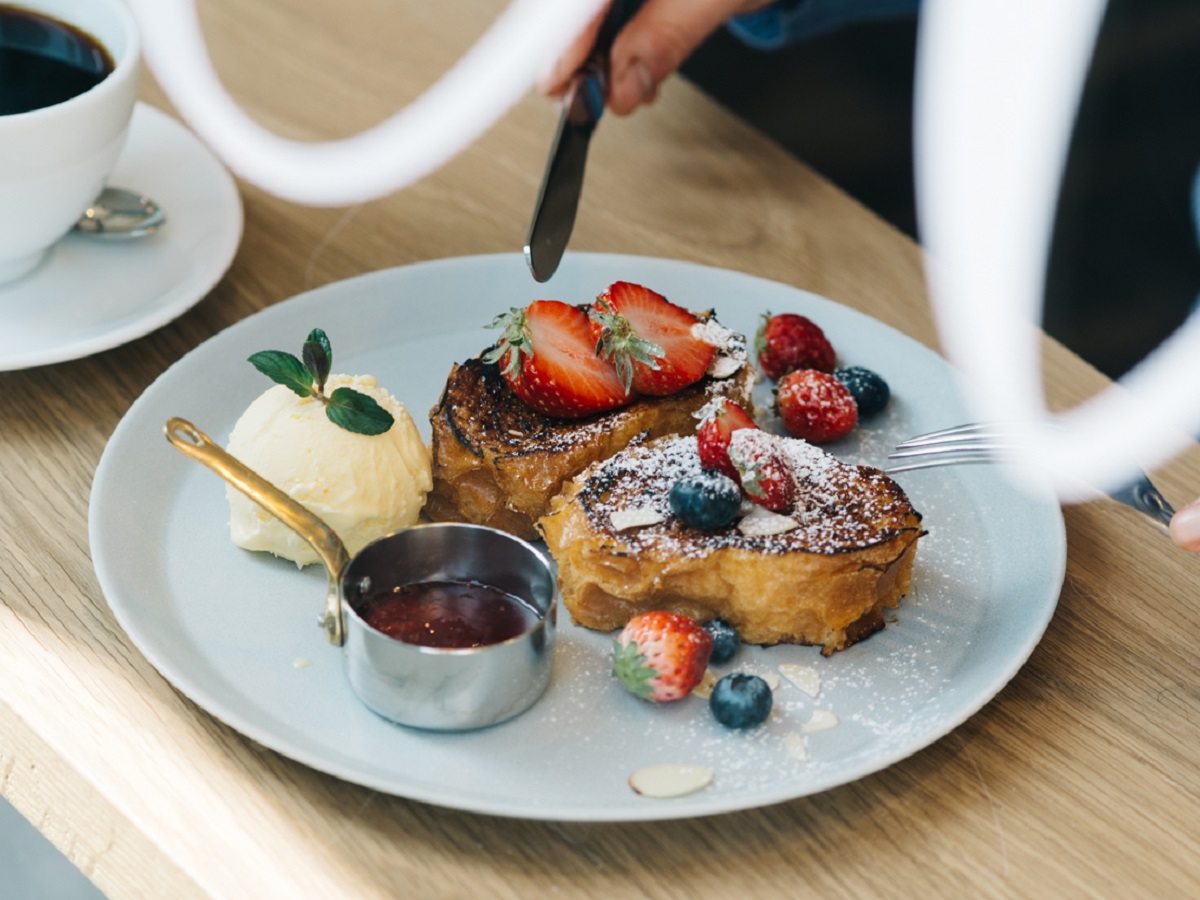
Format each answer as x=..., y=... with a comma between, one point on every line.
x=361, y=486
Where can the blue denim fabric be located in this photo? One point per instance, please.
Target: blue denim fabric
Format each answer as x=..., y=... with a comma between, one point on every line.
x=792, y=20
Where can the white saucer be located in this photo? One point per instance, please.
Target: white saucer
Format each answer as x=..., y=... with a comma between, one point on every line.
x=89, y=295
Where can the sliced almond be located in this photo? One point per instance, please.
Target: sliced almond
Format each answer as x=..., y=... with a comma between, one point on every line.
x=806, y=678
x=796, y=745
x=707, y=682
x=723, y=366
x=821, y=720
x=761, y=522
x=637, y=517
x=670, y=780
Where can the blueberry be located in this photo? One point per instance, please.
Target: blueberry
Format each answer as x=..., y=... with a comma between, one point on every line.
x=725, y=640
x=870, y=391
x=707, y=501
x=741, y=701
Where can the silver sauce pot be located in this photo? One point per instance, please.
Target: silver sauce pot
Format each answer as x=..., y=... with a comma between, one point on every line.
x=424, y=687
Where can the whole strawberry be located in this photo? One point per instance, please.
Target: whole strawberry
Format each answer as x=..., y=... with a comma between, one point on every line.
x=719, y=419
x=788, y=341
x=765, y=470
x=660, y=656
x=653, y=343
x=548, y=357
x=815, y=406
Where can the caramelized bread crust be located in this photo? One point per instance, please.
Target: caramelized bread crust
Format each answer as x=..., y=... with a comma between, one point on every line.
x=826, y=581
x=497, y=462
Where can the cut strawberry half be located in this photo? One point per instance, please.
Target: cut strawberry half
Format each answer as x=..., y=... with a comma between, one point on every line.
x=765, y=469
x=547, y=355
x=652, y=342
x=719, y=419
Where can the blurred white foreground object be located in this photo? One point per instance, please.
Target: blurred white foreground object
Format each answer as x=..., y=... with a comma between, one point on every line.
x=998, y=87
x=486, y=83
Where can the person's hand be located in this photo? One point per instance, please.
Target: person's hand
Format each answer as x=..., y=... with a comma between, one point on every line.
x=654, y=43
x=1185, y=527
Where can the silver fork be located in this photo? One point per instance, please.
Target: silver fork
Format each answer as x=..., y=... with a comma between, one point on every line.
x=982, y=443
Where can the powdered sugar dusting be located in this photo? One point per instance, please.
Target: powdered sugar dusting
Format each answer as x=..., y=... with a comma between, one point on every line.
x=837, y=506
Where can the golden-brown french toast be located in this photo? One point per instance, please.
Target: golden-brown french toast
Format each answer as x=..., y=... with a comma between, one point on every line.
x=820, y=574
x=498, y=462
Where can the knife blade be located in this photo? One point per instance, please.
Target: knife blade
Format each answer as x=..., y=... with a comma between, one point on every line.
x=562, y=184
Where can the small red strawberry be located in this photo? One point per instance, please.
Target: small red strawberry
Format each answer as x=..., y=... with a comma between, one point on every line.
x=816, y=406
x=548, y=357
x=661, y=655
x=719, y=419
x=650, y=340
x=765, y=469
x=788, y=341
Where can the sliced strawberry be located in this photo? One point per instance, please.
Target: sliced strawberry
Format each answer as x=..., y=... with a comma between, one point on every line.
x=651, y=341
x=661, y=656
x=719, y=419
x=765, y=469
x=548, y=357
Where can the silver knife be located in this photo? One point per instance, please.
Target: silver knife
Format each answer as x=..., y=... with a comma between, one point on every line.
x=558, y=199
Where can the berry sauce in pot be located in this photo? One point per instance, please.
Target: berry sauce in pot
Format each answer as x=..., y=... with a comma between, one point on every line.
x=448, y=614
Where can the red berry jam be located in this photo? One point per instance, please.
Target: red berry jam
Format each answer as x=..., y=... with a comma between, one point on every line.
x=448, y=614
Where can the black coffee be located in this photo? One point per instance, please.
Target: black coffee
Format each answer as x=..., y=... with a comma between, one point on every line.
x=44, y=61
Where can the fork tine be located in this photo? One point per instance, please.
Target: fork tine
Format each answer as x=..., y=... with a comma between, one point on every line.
x=982, y=445
x=947, y=435
x=938, y=460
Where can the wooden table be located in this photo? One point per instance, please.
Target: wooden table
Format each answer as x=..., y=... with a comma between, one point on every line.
x=1081, y=778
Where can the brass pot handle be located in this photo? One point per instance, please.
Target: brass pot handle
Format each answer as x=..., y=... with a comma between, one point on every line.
x=195, y=444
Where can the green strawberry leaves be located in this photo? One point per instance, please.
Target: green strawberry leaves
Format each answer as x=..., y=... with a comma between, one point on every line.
x=347, y=408
x=629, y=665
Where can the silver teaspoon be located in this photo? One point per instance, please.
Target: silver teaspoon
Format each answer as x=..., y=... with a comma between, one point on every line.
x=120, y=214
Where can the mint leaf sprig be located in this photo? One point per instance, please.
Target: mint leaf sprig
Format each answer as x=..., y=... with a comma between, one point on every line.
x=306, y=377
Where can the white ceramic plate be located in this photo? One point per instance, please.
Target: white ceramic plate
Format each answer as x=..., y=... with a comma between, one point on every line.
x=89, y=295
x=238, y=632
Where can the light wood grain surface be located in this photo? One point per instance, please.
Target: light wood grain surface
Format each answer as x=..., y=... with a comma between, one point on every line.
x=1082, y=778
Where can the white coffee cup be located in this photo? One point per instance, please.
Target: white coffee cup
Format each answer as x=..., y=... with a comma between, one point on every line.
x=54, y=160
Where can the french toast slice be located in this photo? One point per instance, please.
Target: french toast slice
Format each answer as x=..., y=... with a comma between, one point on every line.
x=498, y=462
x=846, y=554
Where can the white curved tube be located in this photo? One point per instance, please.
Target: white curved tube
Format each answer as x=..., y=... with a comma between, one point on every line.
x=486, y=83
x=998, y=86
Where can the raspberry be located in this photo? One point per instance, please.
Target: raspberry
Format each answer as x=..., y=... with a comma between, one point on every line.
x=816, y=406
